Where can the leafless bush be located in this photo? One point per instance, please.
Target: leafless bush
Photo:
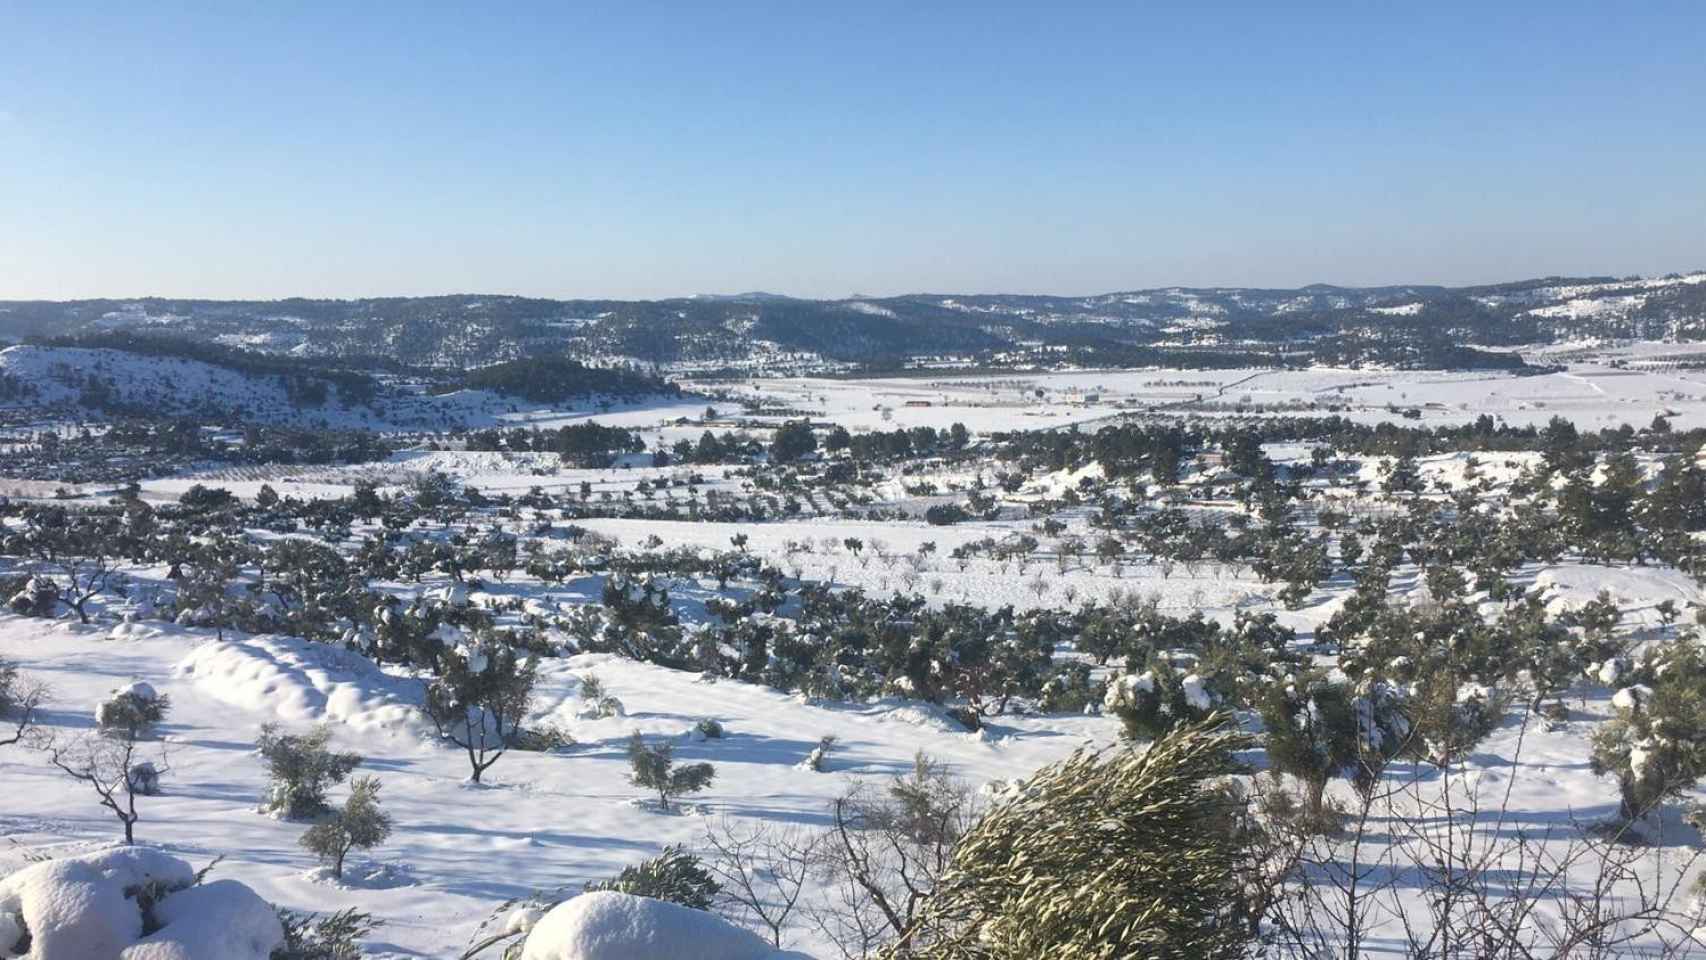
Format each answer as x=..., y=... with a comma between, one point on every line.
x=20, y=697
x=764, y=869
x=887, y=848
x=1433, y=863
x=110, y=765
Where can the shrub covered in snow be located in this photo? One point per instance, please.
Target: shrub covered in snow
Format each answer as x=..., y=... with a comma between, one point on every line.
x=131, y=903
x=1151, y=703
x=144, y=778
x=300, y=770
x=1451, y=718
x=1069, y=688
x=596, y=702
x=132, y=711
x=1320, y=727
x=817, y=761
x=673, y=875
x=37, y=597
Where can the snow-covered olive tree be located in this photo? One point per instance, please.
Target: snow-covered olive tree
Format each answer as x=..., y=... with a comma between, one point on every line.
x=481, y=696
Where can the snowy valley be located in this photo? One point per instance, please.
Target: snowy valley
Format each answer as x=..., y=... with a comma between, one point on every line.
x=704, y=657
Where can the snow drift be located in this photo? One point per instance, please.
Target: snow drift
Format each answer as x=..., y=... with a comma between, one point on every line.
x=302, y=681
x=621, y=926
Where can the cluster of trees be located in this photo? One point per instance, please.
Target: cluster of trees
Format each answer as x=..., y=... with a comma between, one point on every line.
x=1133, y=449
x=560, y=379
x=585, y=444
x=132, y=448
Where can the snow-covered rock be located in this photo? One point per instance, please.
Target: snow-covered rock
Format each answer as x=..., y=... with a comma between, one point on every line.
x=621, y=926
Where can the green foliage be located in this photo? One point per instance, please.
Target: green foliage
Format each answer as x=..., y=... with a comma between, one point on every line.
x=597, y=702
x=590, y=444
x=1069, y=688
x=557, y=379
x=792, y=441
x=541, y=739
x=1451, y=718
x=335, y=936
x=653, y=767
x=1318, y=728
x=480, y=697
x=132, y=713
x=204, y=498
x=11, y=688
x=359, y=825
x=300, y=770
x=1153, y=702
x=1656, y=744
x=673, y=875
x=945, y=514
x=1101, y=856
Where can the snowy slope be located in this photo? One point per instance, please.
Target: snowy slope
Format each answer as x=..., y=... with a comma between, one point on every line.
x=166, y=386
x=543, y=821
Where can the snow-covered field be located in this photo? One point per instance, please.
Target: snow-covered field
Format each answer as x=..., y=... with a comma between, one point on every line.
x=1593, y=393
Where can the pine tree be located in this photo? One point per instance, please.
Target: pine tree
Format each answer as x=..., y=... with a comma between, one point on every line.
x=654, y=768
x=1656, y=744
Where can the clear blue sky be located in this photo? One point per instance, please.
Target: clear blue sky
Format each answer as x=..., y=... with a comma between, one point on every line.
x=629, y=149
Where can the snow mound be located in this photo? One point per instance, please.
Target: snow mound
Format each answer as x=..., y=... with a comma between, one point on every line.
x=83, y=908
x=300, y=680
x=923, y=715
x=621, y=926
x=222, y=920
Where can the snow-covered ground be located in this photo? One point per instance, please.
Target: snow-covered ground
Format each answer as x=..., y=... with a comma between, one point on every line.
x=1594, y=394
x=544, y=821
x=541, y=821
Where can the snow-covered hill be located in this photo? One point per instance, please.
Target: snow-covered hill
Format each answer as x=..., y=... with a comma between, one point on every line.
x=63, y=377
x=461, y=332
x=81, y=381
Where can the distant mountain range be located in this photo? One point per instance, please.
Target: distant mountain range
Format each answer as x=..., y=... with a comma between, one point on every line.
x=1429, y=326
